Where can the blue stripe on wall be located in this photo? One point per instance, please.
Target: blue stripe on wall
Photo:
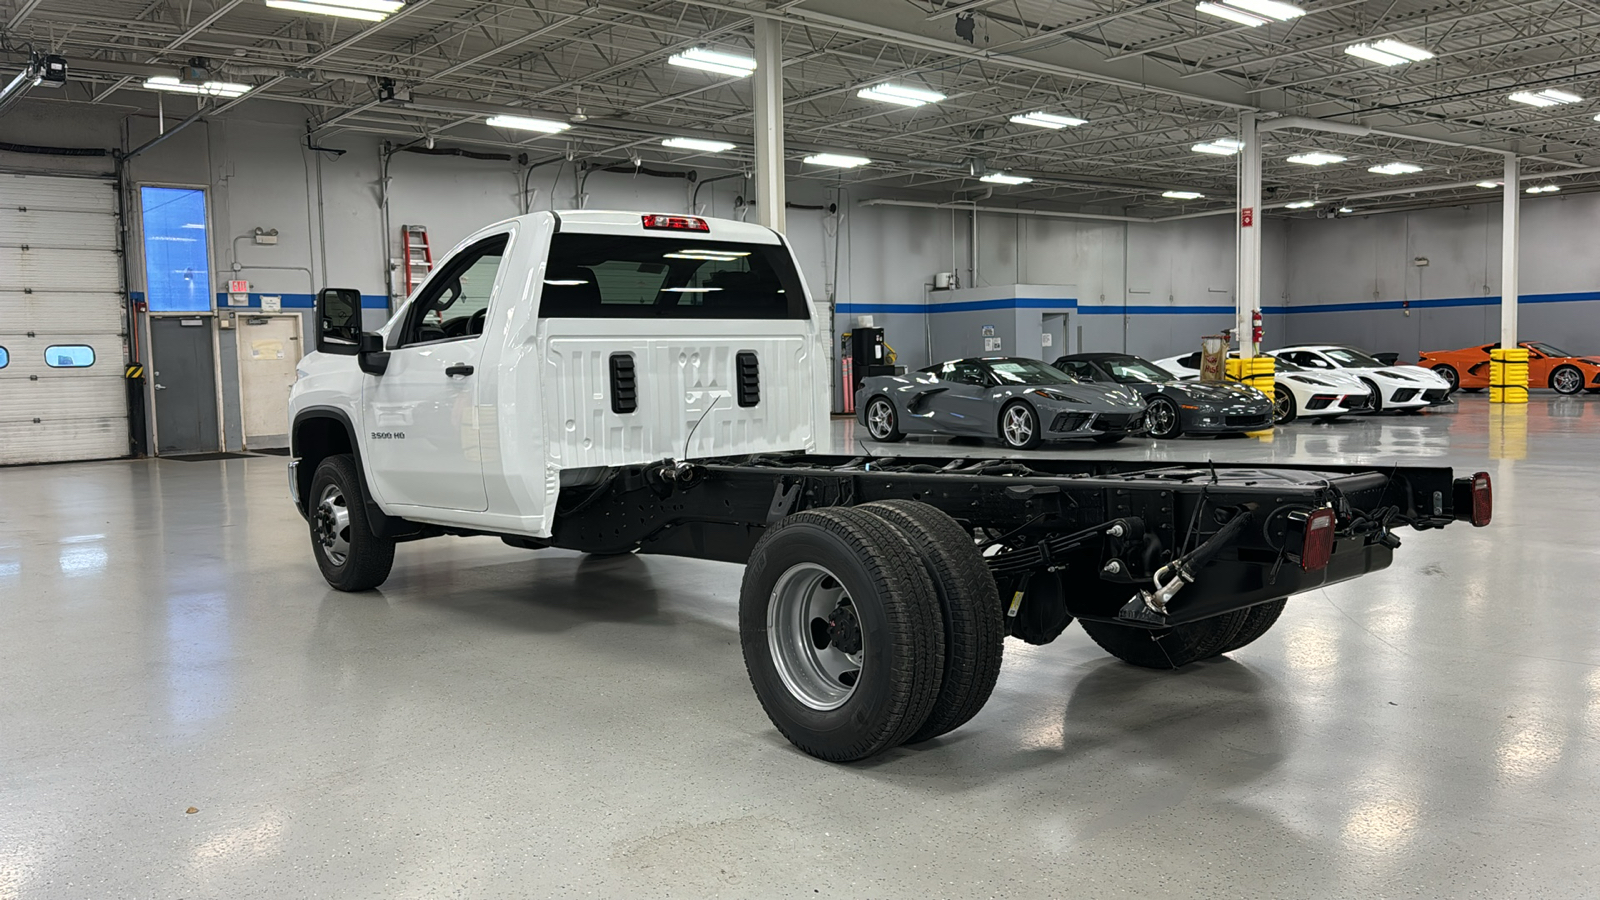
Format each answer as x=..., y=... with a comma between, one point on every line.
x=1111, y=310
x=300, y=301
x=1492, y=300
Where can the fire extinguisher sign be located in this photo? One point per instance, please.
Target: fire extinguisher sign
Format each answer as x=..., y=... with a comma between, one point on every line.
x=1247, y=217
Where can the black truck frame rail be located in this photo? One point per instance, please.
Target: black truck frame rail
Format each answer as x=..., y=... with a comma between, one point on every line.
x=1142, y=544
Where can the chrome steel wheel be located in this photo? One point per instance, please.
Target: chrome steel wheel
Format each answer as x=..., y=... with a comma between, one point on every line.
x=1450, y=375
x=1567, y=380
x=1163, y=418
x=880, y=419
x=332, y=522
x=1018, y=425
x=1282, y=405
x=815, y=637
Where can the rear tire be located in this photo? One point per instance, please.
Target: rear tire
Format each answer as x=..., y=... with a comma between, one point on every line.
x=1167, y=648
x=350, y=556
x=1258, y=620
x=1284, y=407
x=883, y=423
x=974, y=635
x=850, y=582
x=1472, y=390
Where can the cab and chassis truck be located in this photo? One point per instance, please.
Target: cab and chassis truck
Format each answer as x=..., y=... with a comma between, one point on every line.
x=616, y=382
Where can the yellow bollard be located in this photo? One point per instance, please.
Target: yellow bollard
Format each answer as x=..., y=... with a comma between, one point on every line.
x=1508, y=375
x=1256, y=372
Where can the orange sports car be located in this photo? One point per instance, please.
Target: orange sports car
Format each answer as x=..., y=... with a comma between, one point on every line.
x=1468, y=368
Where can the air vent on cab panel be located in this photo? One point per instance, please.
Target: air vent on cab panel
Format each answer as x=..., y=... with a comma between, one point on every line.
x=624, y=386
x=749, y=378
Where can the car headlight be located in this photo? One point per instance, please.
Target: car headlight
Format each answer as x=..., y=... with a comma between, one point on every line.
x=1051, y=395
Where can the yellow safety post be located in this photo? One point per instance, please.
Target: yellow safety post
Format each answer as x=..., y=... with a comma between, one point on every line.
x=1256, y=372
x=1508, y=375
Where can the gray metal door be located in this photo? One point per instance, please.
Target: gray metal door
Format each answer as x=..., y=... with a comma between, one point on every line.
x=183, y=374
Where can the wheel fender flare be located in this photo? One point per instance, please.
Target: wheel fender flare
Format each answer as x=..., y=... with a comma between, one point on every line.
x=383, y=524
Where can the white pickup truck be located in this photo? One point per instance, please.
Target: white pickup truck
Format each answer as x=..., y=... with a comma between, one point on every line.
x=613, y=382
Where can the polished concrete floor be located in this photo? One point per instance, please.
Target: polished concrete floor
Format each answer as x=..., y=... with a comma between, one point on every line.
x=187, y=711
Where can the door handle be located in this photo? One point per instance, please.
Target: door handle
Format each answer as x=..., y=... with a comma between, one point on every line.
x=458, y=369
x=161, y=387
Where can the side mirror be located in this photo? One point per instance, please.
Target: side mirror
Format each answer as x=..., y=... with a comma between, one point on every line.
x=338, y=320
x=373, y=359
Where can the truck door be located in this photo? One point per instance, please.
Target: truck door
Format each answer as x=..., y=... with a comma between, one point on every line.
x=422, y=432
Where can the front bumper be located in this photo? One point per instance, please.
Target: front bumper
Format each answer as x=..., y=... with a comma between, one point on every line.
x=1077, y=423
x=1226, y=421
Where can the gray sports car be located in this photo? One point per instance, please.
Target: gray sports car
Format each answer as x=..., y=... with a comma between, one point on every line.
x=1021, y=401
x=1176, y=407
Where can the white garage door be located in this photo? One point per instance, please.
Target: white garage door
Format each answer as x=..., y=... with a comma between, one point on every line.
x=61, y=317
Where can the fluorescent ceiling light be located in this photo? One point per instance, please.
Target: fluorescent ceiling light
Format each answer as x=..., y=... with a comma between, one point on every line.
x=900, y=95
x=564, y=282
x=368, y=10
x=1316, y=158
x=1389, y=52
x=1231, y=14
x=1182, y=195
x=1219, y=147
x=1300, y=204
x=1396, y=168
x=1003, y=178
x=1346, y=209
x=523, y=123
x=713, y=61
x=837, y=160
x=208, y=89
x=683, y=143
x=1548, y=97
x=1272, y=9
x=1047, y=120
x=1542, y=189
x=1491, y=184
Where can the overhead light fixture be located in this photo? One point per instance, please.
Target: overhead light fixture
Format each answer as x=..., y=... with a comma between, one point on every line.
x=1048, y=120
x=523, y=123
x=1542, y=189
x=1547, y=97
x=368, y=10
x=1491, y=185
x=1395, y=168
x=1300, y=204
x=714, y=61
x=208, y=89
x=837, y=160
x=1219, y=147
x=1182, y=195
x=1346, y=210
x=900, y=95
x=1004, y=178
x=1253, y=13
x=1316, y=158
x=704, y=146
x=1389, y=52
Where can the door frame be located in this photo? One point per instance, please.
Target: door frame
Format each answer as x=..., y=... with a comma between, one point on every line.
x=238, y=340
x=136, y=226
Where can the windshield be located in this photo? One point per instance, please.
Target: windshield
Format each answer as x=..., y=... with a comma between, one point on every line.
x=1546, y=349
x=1283, y=365
x=1133, y=370
x=635, y=277
x=1351, y=359
x=1028, y=371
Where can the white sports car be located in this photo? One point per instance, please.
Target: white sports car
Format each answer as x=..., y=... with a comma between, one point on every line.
x=1296, y=391
x=1394, y=387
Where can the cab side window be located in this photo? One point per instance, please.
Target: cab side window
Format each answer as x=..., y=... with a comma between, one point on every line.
x=1192, y=361
x=455, y=303
x=967, y=373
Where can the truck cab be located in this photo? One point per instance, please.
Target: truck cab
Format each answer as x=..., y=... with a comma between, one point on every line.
x=551, y=348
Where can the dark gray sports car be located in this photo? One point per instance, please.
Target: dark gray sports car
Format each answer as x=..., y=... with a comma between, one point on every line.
x=1020, y=401
x=1176, y=407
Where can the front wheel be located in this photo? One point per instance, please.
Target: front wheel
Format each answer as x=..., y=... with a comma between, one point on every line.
x=1449, y=373
x=1377, y=394
x=1284, y=408
x=1019, y=426
x=350, y=556
x=1163, y=418
x=1566, y=380
x=882, y=421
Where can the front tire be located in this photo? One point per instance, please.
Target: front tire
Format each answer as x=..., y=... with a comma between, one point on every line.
x=1449, y=373
x=1019, y=426
x=1566, y=380
x=842, y=633
x=883, y=423
x=1284, y=407
x=1377, y=394
x=1167, y=648
x=1163, y=417
x=350, y=556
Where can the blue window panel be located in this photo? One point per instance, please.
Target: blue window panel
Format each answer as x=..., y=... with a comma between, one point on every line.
x=5, y=358
x=177, y=263
x=69, y=356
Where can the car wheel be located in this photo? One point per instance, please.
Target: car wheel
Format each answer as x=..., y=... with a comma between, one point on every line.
x=1163, y=418
x=1284, y=407
x=350, y=556
x=882, y=421
x=1566, y=380
x=1019, y=426
x=1449, y=373
x=1377, y=394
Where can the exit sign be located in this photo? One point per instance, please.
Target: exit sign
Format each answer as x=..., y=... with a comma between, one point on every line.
x=238, y=287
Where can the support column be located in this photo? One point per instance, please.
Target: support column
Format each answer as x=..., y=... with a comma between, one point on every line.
x=1508, y=366
x=1248, y=224
x=767, y=85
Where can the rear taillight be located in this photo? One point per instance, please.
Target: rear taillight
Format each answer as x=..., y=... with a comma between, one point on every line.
x=677, y=223
x=1316, y=544
x=1482, y=499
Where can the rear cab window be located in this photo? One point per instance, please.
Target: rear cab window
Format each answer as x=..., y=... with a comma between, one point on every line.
x=614, y=276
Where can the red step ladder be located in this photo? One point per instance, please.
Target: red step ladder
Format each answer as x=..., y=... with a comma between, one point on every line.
x=419, y=257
